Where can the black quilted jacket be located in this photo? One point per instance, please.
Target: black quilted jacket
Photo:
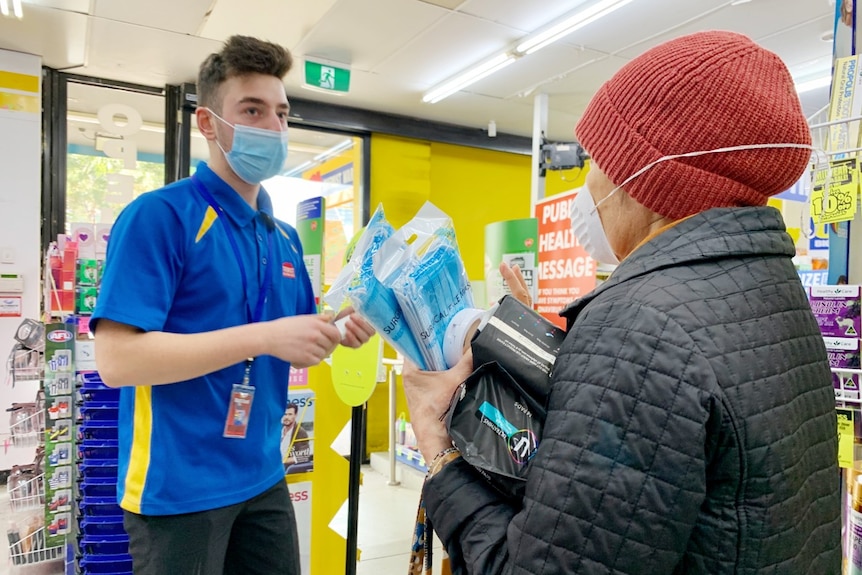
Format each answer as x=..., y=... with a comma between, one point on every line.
x=691, y=425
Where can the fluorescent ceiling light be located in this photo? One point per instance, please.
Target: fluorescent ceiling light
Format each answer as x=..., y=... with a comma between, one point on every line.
x=299, y=169
x=565, y=27
x=813, y=84
x=472, y=75
x=320, y=158
x=16, y=9
x=334, y=150
x=4, y=7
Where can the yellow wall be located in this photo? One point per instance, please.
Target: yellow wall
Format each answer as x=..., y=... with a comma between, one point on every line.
x=477, y=187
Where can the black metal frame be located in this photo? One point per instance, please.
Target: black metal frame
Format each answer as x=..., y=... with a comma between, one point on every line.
x=53, y=155
x=172, y=118
x=343, y=118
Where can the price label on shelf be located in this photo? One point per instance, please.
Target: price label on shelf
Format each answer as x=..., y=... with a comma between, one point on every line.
x=839, y=204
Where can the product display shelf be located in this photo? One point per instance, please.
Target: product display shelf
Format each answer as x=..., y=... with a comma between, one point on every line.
x=103, y=546
x=846, y=382
x=410, y=456
x=26, y=483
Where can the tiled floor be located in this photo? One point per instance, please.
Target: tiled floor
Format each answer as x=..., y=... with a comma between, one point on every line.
x=387, y=516
x=386, y=519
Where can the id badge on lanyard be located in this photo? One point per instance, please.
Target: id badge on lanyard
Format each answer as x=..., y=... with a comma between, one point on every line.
x=239, y=407
x=242, y=394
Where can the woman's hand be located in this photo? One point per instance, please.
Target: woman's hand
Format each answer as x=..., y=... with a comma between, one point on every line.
x=516, y=283
x=429, y=394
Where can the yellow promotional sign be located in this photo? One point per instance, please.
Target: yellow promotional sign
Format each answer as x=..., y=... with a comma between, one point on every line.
x=839, y=204
x=845, y=438
x=354, y=371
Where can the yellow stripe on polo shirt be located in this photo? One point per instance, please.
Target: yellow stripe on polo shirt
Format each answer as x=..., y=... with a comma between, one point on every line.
x=284, y=233
x=209, y=217
x=139, y=458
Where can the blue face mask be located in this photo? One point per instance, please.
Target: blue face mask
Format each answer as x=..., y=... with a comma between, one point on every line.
x=256, y=154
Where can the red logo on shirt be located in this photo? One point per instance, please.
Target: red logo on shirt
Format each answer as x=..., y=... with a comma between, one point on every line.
x=287, y=270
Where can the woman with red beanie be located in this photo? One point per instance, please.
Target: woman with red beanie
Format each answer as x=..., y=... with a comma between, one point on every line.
x=691, y=425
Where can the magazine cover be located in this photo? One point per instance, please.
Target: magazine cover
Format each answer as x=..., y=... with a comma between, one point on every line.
x=297, y=433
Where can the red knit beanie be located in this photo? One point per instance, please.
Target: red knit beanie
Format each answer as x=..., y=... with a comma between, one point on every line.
x=699, y=92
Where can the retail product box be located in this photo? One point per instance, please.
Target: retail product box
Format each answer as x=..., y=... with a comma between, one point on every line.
x=67, y=280
x=844, y=353
x=85, y=300
x=70, y=256
x=85, y=235
x=59, y=432
x=524, y=343
x=59, y=350
x=103, y=234
x=85, y=353
x=62, y=301
x=838, y=309
x=87, y=272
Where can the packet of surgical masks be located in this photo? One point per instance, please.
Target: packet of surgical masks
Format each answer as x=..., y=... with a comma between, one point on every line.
x=375, y=233
x=423, y=267
x=368, y=296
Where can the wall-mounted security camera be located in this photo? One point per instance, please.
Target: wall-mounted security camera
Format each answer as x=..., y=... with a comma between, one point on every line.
x=562, y=156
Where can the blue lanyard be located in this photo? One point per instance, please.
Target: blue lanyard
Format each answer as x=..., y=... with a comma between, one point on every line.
x=253, y=317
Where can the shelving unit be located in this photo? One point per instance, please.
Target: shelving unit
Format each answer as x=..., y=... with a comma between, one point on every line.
x=102, y=541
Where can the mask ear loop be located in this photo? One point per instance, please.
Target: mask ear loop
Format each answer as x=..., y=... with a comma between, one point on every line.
x=717, y=151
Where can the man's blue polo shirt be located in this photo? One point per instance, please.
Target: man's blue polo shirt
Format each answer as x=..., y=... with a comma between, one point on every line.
x=170, y=267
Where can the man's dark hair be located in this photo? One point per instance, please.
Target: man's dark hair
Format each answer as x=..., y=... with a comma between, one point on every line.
x=241, y=55
x=293, y=406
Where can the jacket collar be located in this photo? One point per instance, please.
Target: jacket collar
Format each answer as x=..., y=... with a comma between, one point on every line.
x=231, y=202
x=711, y=235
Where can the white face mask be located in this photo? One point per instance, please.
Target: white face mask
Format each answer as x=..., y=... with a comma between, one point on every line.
x=587, y=225
x=588, y=228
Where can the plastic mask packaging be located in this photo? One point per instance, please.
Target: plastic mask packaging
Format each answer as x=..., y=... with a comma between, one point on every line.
x=375, y=233
x=423, y=267
x=374, y=301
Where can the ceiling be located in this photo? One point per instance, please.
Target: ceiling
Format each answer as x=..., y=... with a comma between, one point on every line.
x=398, y=49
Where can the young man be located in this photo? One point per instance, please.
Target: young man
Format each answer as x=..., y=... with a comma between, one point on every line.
x=205, y=303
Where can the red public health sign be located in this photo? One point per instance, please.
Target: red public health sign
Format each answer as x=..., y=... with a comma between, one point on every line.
x=565, y=270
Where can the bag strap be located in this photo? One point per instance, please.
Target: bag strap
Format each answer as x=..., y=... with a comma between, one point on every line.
x=421, y=552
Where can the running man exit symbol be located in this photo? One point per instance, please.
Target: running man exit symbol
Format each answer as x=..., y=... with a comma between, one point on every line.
x=326, y=77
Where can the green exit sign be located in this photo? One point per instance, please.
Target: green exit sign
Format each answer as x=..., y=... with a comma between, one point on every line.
x=327, y=77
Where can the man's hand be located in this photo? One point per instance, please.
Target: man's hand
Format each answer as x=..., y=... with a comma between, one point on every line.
x=303, y=340
x=357, y=331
